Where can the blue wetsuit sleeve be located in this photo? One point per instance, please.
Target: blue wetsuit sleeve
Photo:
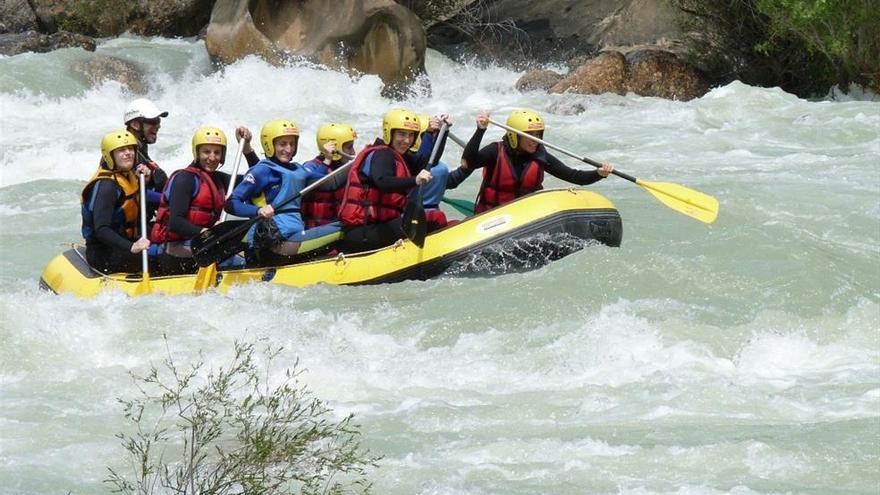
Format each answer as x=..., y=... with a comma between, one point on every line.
x=427, y=145
x=154, y=197
x=252, y=185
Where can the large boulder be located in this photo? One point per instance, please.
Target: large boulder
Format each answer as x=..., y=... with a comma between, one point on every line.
x=98, y=69
x=645, y=72
x=32, y=41
x=17, y=16
x=110, y=18
x=604, y=74
x=368, y=36
x=659, y=73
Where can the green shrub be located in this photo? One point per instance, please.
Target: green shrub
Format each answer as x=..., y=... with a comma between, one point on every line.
x=804, y=46
x=228, y=431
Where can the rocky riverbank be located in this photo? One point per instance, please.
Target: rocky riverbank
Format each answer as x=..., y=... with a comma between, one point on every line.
x=639, y=46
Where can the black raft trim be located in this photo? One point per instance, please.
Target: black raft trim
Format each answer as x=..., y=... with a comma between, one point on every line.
x=601, y=225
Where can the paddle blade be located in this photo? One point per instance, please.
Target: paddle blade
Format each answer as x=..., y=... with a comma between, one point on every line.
x=220, y=241
x=463, y=206
x=143, y=287
x=413, y=221
x=206, y=278
x=683, y=199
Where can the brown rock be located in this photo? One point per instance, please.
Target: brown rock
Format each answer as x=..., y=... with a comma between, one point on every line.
x=367, y=36
x=662, y=74
x=604, y=74
x=32, y=41
x=648, y=72
x=98, y=69
x=538, y=79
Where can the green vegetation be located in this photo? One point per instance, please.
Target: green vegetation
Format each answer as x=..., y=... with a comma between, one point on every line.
x=804, y=46
x=228, y=431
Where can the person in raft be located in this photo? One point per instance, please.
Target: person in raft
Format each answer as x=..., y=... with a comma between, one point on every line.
x=379, y=180
x=515, y=166
x=441, y=180
x=335, y=146
x=280, y=234
x=143, y=120
x=193, y=198
x=110, y=209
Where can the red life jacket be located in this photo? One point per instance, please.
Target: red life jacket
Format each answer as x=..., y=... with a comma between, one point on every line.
x=204, y=209
x=501, y=185
x=319, y=207
x=364, y=203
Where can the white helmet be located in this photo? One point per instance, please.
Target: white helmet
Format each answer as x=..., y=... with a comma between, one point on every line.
x=142, y=108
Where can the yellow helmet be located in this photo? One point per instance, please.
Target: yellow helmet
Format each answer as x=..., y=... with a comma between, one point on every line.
x=524, y=120
x=273, y=130
x=399, y=118
x=113, y=141
x=208, y=135
x=424, y=121
x=339, y=133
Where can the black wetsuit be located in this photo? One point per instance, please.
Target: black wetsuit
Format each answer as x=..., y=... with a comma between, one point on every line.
x=179, y=199
x=488, y=156
x=106, y=249
x=382, y=176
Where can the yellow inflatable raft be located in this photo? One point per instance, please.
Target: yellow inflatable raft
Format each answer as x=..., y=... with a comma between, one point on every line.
x=520, y=235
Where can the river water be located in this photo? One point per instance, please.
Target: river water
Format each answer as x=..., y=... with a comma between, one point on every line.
x=738, y=357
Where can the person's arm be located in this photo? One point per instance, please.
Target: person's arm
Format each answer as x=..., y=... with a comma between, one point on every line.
x=253, y=183
x=104, y=205
x=252, y=158
x=382, y=173
x=179, y=200
x=457, y=176
x=476, y=157
x=562, y=171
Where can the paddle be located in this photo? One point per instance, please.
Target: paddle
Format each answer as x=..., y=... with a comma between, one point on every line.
x=413, y=221
x=207, y=275
x=463, y=206
x=223, y=240
x=144, y=286
x=684, y=200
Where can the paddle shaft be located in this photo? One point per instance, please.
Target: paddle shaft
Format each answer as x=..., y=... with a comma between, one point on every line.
x=238, y=154
x=142, y=186
x=456, y=139
x=563, y=150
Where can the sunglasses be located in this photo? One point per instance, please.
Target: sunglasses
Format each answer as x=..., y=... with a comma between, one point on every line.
x=155, y=121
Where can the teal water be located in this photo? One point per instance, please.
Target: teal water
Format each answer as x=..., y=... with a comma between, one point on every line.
x=740, y=357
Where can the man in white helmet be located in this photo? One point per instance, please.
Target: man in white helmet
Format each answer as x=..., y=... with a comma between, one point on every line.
x=143, y=119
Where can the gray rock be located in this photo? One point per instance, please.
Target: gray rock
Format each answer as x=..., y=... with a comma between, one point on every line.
x=525, y=32
x=100, y=68
x=110, y=18
x=32, y=41
x=17, y=16
x=539, y=79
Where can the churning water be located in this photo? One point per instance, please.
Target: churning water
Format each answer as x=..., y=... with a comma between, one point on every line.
x=739, y=357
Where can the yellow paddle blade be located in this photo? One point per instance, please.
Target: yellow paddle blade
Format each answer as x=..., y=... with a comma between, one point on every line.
x=206, y=278
x=683, y=199
x=143, y=287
